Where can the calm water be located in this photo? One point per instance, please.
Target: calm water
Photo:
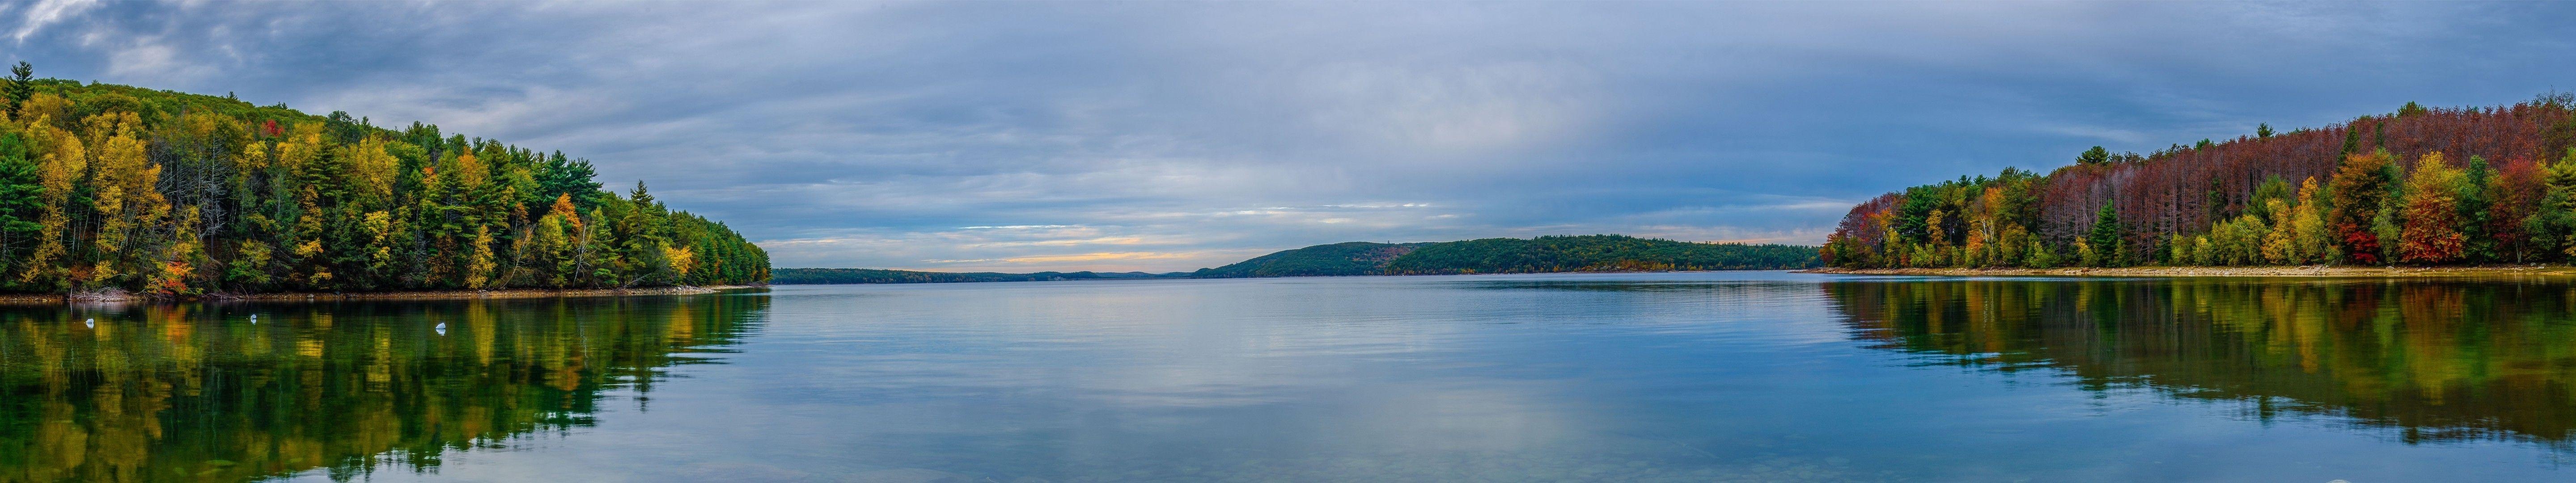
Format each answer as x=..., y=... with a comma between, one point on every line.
x=1646, y=377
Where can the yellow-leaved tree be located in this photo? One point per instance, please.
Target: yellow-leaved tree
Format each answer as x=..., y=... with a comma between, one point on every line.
x=2430, y=232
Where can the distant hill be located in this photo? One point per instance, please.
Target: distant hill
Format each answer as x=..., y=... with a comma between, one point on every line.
x=815, y=276
x=1595, y=253
x=1339, y=259
x=1547, y=254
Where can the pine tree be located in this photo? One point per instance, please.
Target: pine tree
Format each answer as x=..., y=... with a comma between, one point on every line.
x=2094, y=156
x=22, y=85
x=2105, y=237
x=21, y=201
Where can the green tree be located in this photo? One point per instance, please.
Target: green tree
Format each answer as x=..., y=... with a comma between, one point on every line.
x=2105, y=237
x=22, y=192
x=2094, y=156
x=2475, y=209
x=22, y=85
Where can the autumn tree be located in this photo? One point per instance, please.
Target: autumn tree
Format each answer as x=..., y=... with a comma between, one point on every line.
x=2358, y=186
x=2310, y=235
x=2431, y=224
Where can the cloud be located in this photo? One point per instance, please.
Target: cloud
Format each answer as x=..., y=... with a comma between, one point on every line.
x=1064, y=136
x=36, y=16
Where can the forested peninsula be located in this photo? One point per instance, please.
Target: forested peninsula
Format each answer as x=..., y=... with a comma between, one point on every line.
x=108, y=188
x=2420, y=187
x=1546, y=254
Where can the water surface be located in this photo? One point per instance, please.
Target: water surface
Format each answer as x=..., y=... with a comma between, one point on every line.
x=1758, y=376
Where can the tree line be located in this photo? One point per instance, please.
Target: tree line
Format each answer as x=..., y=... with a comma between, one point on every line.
x=108, y=187
x=2420, y=186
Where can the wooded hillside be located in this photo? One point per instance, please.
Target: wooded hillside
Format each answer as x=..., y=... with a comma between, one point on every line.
x=116, y=187
x=2465, y=185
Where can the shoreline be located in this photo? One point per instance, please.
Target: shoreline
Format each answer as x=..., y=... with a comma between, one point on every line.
x=2272, y=271
x=121, y=297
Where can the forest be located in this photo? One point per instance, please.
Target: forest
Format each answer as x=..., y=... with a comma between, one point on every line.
x=2419, y=186
x=109, y=187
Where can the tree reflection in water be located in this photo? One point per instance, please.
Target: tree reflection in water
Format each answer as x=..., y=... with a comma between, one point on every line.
x=2433, y=360
x=200, y=393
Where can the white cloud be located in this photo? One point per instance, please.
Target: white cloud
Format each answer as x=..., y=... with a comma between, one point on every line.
x=43, y=13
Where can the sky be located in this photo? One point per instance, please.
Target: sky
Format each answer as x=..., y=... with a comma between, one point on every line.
x=1169, y=136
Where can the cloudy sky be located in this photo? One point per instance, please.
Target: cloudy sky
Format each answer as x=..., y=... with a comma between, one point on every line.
x=1174, y=136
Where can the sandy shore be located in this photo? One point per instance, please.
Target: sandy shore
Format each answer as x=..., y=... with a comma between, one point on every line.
x=2301, y=271
x=21, y=299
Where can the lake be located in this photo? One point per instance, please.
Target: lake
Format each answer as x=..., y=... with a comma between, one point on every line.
x=1746, y=376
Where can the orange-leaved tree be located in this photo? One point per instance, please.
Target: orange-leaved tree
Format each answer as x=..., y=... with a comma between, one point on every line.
x=2358, y=186
x=2431, y=232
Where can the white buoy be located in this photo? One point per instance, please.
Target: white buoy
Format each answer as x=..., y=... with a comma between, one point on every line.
x=254, y=318
x=91, y=323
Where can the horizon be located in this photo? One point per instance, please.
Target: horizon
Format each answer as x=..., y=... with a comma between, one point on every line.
x=1022, y=138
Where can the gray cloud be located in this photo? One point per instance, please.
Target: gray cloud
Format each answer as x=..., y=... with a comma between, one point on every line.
x=1171, y=136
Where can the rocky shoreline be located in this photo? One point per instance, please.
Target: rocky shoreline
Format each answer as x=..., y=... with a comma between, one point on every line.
x=2277, y=271
x=122, y=296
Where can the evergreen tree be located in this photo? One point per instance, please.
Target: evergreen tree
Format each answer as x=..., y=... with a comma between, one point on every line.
x=567, y=176
x=21, y=201
x=2105, y=236
x=22, y=85
x=2094, y=156
x=2474, y=208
